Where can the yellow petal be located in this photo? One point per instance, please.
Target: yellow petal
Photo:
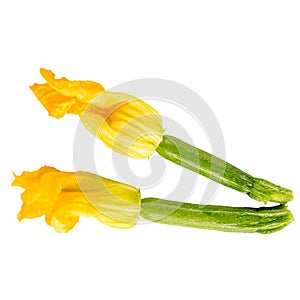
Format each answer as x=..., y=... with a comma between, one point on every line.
x=56, y=104
x=65, y=196
x=26, y=179
x=40, y=195
x=61, y=96
x=84, y=91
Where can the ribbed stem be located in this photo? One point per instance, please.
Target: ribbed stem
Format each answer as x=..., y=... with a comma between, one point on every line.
x=220, y=171
x=223, y=218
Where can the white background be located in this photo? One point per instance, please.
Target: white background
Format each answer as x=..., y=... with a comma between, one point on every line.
x=242, y=57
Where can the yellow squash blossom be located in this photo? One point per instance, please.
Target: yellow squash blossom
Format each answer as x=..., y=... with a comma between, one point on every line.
x=123, y=122
x=65, y=196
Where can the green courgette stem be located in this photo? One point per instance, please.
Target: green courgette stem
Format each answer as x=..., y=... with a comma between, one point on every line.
x=223, y=218
x=220, y=171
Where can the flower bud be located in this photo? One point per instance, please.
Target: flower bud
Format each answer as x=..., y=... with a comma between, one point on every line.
x=124, y=123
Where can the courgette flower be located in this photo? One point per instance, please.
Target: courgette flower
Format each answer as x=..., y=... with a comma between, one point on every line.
x=65, y=196
x=133, y=128
x=123, y=122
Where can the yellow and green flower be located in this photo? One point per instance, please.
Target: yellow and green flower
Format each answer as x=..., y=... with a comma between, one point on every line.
x=124, y=123
x=62, y=197
x=132, y=127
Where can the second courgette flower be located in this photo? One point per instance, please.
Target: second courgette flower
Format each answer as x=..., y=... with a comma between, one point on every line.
x=65, y=196
x=123, y=122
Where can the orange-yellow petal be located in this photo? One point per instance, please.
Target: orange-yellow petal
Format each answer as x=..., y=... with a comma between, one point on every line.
x=61, y=96
x=26, y=179
x=84, y=91
x=56, y=104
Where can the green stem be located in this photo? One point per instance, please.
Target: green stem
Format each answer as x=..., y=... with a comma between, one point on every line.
x=223, y=218
x=220, y=171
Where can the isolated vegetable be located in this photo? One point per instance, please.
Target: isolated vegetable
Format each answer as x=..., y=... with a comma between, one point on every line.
x=132, y=127
x=65, y=196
